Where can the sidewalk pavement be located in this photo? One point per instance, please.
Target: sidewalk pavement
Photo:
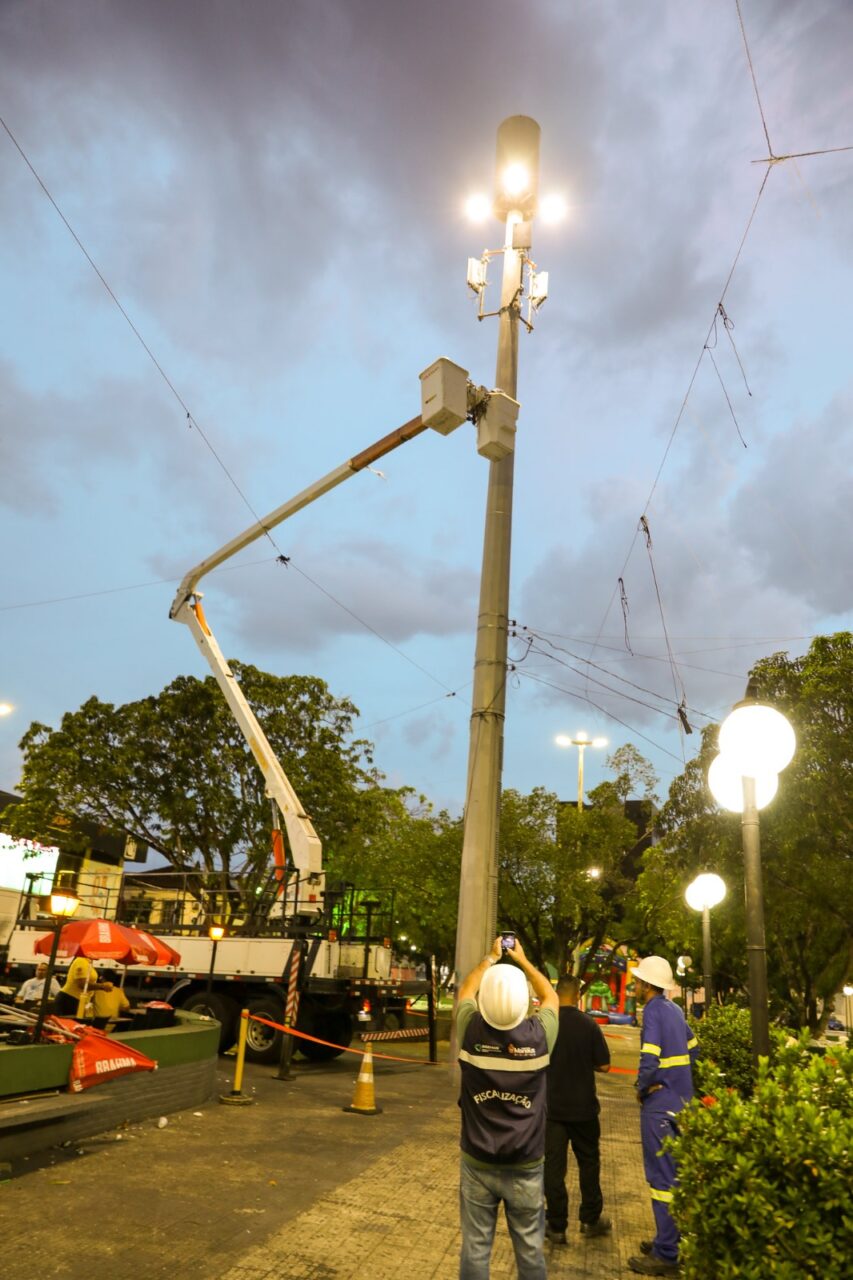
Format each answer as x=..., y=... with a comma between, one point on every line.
x=294, y=1188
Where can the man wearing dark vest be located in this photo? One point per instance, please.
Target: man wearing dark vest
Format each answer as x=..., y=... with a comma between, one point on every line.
x=503, y=1059
x=573, y=1109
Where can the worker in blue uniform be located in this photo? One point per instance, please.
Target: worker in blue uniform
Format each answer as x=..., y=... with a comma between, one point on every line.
x=668, y=1050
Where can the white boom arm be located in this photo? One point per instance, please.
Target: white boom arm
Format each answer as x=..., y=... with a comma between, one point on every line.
x=305, y=846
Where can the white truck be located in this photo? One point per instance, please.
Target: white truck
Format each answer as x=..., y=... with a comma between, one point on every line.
x=346, y=938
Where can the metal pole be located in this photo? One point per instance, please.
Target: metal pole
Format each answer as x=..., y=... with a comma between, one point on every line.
x=755, y=945
x=212, y=966
x=478, y=887
x=48, y=977
x=581, y=749
x=432, y=1010
x=706, y=956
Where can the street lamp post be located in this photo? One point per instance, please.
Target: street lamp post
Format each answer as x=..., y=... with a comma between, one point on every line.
x=848, y=992
x=515, y=201
x=581, y=741
x=63, y=904
x=756, y=743
x=706, y=891
x=216, y=933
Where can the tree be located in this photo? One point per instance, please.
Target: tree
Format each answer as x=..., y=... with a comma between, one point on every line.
x=416, y=851
x=806, y=843
x=562, y=883
x=174, y=771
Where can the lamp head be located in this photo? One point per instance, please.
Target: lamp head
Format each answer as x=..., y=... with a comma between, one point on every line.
x=63, y=903
x=216, y=932
x=517, y=167
x=707, y=890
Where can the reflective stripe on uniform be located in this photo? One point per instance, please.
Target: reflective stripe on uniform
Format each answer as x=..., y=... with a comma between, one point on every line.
x=504, y=1064
x=664, y=1196
x=681, y=1060
x=651, y=1048
x=692, y=1043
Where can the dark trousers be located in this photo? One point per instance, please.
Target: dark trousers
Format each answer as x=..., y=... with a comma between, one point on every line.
x=584, y=1136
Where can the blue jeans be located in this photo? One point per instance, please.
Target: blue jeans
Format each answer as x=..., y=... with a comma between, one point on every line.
x=480, y=1193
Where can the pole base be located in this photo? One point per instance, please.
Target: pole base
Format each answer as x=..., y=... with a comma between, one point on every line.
x=364, y=1111
x=236, y=1099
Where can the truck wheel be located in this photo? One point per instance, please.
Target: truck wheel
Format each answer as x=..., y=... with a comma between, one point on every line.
x=335, y=1026
x=263, y=1043
x=222, y=1008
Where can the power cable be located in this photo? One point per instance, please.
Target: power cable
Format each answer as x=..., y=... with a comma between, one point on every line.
x=582, y=697
x=133, y=586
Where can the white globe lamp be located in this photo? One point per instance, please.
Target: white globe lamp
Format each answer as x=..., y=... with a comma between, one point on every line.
x=757, y=740
x=707, y=890
x=726, y=783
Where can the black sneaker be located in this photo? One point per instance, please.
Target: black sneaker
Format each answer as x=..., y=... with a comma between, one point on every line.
x=600, y=1227
x=650, y=1264
x=646, y=1246
x=555, y=1237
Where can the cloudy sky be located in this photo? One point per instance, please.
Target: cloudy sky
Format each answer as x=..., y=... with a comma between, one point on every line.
x=274, y=191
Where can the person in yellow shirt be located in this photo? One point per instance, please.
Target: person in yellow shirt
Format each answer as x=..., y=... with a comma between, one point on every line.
x=109, y=1001
x=81, y=981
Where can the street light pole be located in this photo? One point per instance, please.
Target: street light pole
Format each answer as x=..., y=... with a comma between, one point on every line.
x=756, y=949
x=478, y=885
x=707, y=969
x=581, y=742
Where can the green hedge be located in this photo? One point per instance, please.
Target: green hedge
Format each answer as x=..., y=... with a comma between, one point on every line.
x=725, y=1042
x=764, y=1181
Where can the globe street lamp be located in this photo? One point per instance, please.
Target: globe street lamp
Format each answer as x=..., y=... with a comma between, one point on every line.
x=756, y=742
x=581, y=741
x=63, y=904
x=705, y=892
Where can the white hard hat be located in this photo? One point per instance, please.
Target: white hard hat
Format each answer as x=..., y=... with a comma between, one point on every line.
x=503, y=997
x=656, y=971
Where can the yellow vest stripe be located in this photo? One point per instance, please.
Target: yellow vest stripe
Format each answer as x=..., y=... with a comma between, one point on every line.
x=682, y=1060
x=651, y=1048
x=664, y=1196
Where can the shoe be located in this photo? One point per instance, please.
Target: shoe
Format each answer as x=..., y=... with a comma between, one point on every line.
x=600, y=1227
x=646, y=1246
x=649, y=1264
x=555, y=1237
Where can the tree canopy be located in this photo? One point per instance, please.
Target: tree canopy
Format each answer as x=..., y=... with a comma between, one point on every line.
x=175, y=772
x=806, y=843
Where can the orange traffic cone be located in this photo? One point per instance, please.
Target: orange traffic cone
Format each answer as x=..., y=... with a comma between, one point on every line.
x=364, y=1100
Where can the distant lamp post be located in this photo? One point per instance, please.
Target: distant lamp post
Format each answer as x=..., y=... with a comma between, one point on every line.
x=705, y=892
x=216, y=933
x=594, y=873
x=581, y=741
x=848, y=992
x=63, y=904
x=756, y=742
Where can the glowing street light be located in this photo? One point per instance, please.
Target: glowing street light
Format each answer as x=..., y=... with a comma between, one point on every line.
x=478, y=207
x=755, y=741
x=581, y=741
x=63, y=904
x=6, y=708
x=553, y=208
x=703, y=893
x=216, y=933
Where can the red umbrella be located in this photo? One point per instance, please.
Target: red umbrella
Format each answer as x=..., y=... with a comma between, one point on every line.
x=108, y=940
x=150, y=950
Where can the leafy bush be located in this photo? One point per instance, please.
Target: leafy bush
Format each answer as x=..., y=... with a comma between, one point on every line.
x=764, y=1182
x=725, y=1041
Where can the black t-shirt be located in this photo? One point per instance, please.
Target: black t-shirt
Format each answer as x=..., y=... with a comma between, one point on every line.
x=580, y=1048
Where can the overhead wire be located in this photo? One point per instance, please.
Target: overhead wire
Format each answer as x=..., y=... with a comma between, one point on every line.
x=582, y=697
